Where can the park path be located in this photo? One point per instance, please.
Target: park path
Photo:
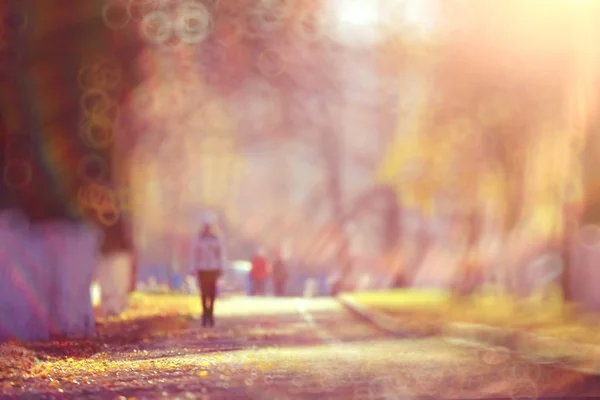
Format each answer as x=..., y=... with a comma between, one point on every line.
x=266, y=348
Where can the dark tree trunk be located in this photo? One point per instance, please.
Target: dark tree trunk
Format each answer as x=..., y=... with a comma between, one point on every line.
x=40, y=108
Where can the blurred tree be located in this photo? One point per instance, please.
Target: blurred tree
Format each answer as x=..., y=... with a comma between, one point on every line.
x=43, y=50
x=498, y=115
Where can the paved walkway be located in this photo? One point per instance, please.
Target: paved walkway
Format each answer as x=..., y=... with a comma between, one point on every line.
x=279, y=349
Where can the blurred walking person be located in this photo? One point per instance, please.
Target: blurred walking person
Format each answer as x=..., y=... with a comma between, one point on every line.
x=259, y=273
x=280, y=273
x=208, y=262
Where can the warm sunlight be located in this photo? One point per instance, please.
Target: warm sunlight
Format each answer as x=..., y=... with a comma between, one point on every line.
x=358, y=12
x=356, y=21
x=300, y=199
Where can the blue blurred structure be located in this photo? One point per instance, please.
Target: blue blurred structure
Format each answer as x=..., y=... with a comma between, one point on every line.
x=159, y=272
x=177, y=281
x=236, y=279
x=248, y=285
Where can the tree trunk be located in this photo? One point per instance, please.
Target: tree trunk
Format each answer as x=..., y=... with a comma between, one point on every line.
x=331, y=148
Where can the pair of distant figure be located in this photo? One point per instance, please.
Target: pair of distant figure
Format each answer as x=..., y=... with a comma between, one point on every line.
x=262, y=269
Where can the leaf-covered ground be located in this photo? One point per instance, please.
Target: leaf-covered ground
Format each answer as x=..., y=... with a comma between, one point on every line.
x=549, y=316
x=264, y=349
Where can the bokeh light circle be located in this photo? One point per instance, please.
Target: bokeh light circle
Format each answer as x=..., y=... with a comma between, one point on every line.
x=88, y=193
x=137, y=9
x=589, y=236
x=14, y=23
x=156, y=27
x=96, y=163
x=95, y=102
x=97, y=197
x=99, y=135
x=103, y=74
x=309, y=26
x=193, y=22
x=262, y=22
x=115, y=15
x=108, y=216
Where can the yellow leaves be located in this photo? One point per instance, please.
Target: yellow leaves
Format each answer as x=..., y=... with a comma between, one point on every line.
x=143, y=305
x=16, y=362
x=421, y=165
x=545, y=221
x=403, y=150
x=483, y=307
x=202, y=374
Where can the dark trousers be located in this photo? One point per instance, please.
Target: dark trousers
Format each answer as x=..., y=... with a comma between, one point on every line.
x=207, y=281
x=258, y=287
x=279, y=287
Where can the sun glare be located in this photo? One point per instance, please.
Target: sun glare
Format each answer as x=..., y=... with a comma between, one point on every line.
x=358, y=12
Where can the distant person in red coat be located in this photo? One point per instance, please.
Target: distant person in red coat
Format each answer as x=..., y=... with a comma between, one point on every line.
x=259, y=273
